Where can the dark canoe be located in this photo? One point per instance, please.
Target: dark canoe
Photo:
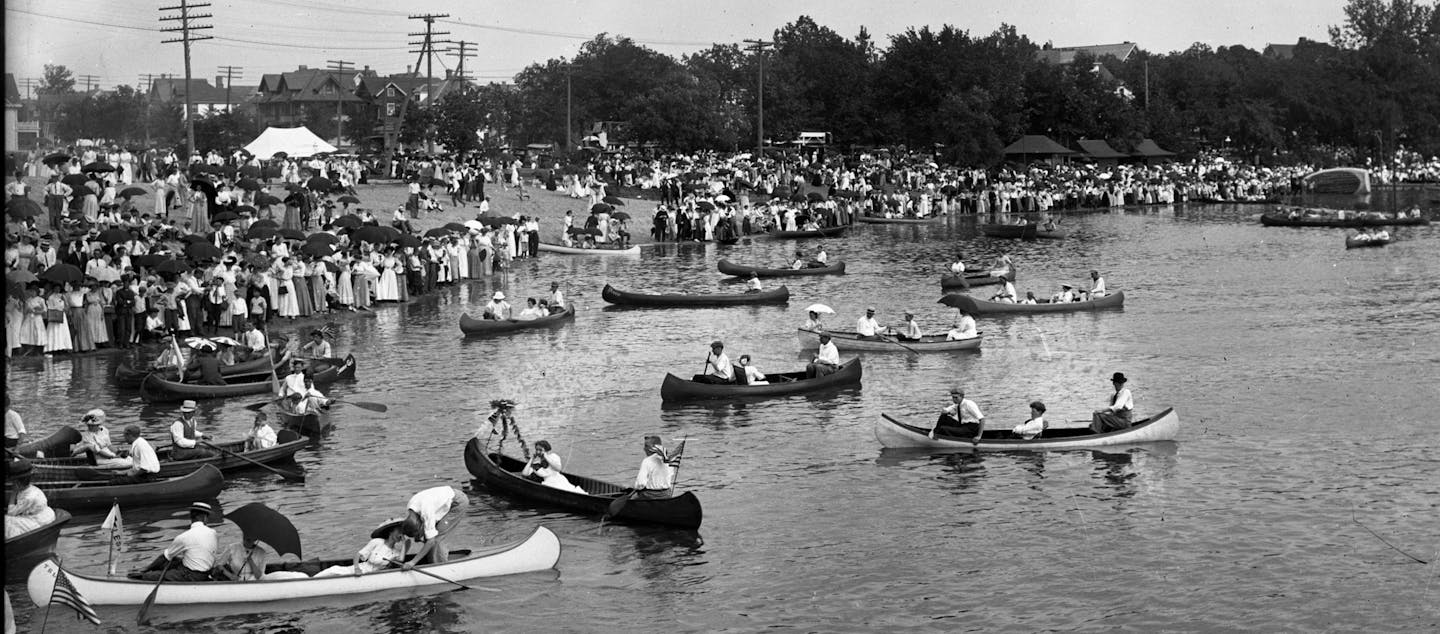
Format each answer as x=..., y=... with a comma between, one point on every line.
x=315, y=423
x=130, y=377
x=501, y=474
x=1270, y=220
x=1352, y=242
x=674, y=388
x=158, y=389
x=56, y=445
x=881, y=220
x=895, y=434
x=78, y=468
x=744, y=270
x=202, y=484
x=979, y=306
x=624, y=298
x=1024, y=232
x=827, y=232
x=951, y=280
x=25, y=550
x=473, y=327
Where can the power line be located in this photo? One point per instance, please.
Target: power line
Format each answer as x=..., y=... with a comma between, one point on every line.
x=88, y=80
x=231, y=74
x=340, y=66
x=462, y=53
x=186, y=38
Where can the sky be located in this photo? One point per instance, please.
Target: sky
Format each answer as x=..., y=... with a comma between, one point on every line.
x=113, y=42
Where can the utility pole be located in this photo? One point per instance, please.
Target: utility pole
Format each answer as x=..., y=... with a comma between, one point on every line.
x=30, y=84
x=462, y=51
x=341, y=66
x=231, y=74
x=427, y=51
x=185, y=7
x=569, y=137
x=89, y=81
x=759, y=46
x=1147, y=85
x=147, y=80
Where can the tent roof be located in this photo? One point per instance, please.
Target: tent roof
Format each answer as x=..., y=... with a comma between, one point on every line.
x=1098, y=148
x=292, y=141
x=1149, y=148
x=1037, y=144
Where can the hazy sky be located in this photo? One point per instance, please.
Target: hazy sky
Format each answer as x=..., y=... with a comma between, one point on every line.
x=117, y=42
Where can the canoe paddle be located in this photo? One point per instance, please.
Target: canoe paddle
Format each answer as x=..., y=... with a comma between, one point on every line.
x=433, y=575
x=366, y=405
x=143, y=617
x=293, y=476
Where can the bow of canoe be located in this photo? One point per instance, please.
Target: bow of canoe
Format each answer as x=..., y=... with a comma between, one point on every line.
x=893, y=433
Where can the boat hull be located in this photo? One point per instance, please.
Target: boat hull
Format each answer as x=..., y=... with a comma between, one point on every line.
x=1022, y=232
x=158, y=389
x=1362, y=221
x=951, y=280
x=127, y=376
x=1358, y=243
x=560, y=248
x=624, y=298
x=852, y=341
x=202, y=484
x=473, y=327
x=501, y=474
x=881, y=220
x=675, y=389
x=52, y=469
x=741, y=270
x=25, y=550
x=983, y=307
x=827, y=232
x=310, y=423
x=540, y=551
x=893, y=433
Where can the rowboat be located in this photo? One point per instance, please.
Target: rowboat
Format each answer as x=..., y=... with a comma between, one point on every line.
x=79, y=468
x=827, y=232
x=159, y=389
x=881, y=220
x=1355, y=242
x=539, y=551
x=202, y=484
x=1024, y=232
x=1271, y=220
x=25, y=550
x=1163, y=426
x=128, y=376
x=501, y=473
x=625, y=298
x=674, y=388
x=979, y=306
x=473, y=327
x=852, y=341
x=56, y=445
x=744, y=270
x=560, y=248
x=950, y=280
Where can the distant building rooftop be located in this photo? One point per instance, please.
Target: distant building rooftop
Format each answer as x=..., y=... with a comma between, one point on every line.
x=1065, y=55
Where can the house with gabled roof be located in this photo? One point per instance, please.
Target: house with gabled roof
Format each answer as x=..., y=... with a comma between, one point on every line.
x=287, y=99
x=204, y=98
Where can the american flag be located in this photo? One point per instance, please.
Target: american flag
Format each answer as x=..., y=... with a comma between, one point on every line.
x=66, y=594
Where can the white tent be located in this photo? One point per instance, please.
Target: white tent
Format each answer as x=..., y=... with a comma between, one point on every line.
x=292, y=141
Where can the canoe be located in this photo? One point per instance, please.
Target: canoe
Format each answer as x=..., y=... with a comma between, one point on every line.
x=852, y=341
x=1024, y=232
x=25, y=550
x=1052, y=234
x=128, y=376
x=881, y=220
x=827, y=232
x=202, y=484
x=625, y=298
x=78, y=468
x=540, y=551
x=56, y=445
x=1270, y=220
x=951, y=280
x=674, y=388
x=744, y=270
x=1163, y=426
x=560, y=248
x=314, y=423
x=501, y=474
x=976, y=306
x=1352, y=242
x=473, y=327
x=159, y=389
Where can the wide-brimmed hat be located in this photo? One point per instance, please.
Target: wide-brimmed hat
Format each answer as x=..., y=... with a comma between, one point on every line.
x=383, y=529
x=17, y=468
x=498, y=296
x=187, y=406
x=94, y=417
x=1118, y=378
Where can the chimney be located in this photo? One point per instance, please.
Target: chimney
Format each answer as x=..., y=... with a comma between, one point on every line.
x=448, y=73
x=407, y=69
x=302, y=67
x=219, y=81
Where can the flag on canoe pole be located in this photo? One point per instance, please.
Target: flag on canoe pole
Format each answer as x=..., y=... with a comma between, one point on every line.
x=116, y=525
x=66, y=594
x=673, y=460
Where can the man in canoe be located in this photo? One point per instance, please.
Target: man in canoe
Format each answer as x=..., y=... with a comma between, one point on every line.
x=1117, y=414
x=826, y=361
x=497, y=308
x=1029, y=429
x=1065, y=296
x=717, y=366
x=910, y=330
x=191, y=555
x=961, y=418
x=1006, y=293
x=429, y=516
x=185, y=436
x=317, y=347
x=1097, y=286
x=144, y=463
x=753, y=285
x=866, y=327
x=253, y=341
x=557, y=298
x=206, y=365
x=656, y=480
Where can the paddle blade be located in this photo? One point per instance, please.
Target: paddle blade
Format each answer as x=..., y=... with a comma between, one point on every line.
x=255, y=407
x=374, y=407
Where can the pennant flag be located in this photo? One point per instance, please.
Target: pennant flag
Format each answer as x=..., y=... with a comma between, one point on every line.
x=113, y=520
x=674, y=459
x=66, y=594
x=116, y=525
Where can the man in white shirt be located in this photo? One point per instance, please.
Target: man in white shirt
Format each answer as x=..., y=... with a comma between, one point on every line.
x=717, y=366
x=961, y=418
x=1006, y=294
x=497, y=308
x=557, y=298
x=261, y=435
x=15, y=432
x=827, y=360
x=1032, y=428
x=1065, y=295
x=429, y=515
x=1097, y=286
x=195, y=550
x=1117, y=415
x=185, y=436
x=253, y=339
x=910, y=329
x=958, y=267
x=866, y=326
x=144, y=463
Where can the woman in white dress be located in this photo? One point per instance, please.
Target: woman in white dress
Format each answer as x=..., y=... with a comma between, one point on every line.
x=388, y=288
x=384, y=546
x=345, y=286
x=31, y=509
x=32, y=327
x=540, y=467
x=57, y=333
x=288, y=305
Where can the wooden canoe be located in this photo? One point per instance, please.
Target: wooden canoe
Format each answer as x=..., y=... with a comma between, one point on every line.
x=1274, y=220
x=1353, y=242
x=25, y=550
x=852, y=341
x=473, y=327
x=314, y=423
x=540, y=551
x=56, y=445
x=976, y=306
x=1052, y=234
x=158, y=389
x=675, y=389
x=560, y=248
x=1023, y=232
x=78, y=468
x=951, y=280
x=127, y=376
x=881, y=220
x=202, y=484
x=625, y=298
x=1163, y=426
x=827, y=232
x=501, y=474
x=744, y=270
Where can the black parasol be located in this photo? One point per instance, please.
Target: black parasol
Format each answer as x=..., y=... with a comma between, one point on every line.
x=264, y=524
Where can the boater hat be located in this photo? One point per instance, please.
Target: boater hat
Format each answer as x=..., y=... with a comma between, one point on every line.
x=200, y=507
x=187, y=406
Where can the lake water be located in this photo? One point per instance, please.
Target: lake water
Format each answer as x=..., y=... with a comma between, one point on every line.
x=1304, y=376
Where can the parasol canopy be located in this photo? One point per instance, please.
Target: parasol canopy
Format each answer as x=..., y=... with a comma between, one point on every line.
x=75, y=181
x=248, y=184
x=959, y=300
x=97, y=167
x=348, y=220
x=113, y=236
x=321, y=184
x=258, y=231
x=375, y=234
x=265, y=222
x=437, y=232
x=348, y=200
x=203, y=251
x=820, y=308
x=56, y=159
x=474, y=224
x=613, y=200
x=321, y=236
x=620, y=215
x=497, y=221
x=600, y=208
x=20, y=208
x=20, y=277
x=407, y=240
x=264, y=524
x=317, y=249
x=265, y=200
x=131, y=192
x=200, y=343
x=225, y=216
x=63, y=272
x=291, y=234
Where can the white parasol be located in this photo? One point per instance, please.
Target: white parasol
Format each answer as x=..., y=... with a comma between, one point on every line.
x=820, y=308
x=200, y=343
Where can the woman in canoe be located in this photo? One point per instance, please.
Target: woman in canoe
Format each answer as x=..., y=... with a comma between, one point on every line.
x=378, y=554
x=31, y=509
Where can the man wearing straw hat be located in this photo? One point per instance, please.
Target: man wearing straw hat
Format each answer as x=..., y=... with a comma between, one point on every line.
x=185, y=435
x=191, y=555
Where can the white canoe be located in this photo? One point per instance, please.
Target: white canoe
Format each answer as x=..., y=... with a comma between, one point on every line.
x=560, y=248
x=1162, y=426
x=539, y=551
x=852, y=341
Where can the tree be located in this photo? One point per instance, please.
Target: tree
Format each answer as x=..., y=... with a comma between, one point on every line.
x=58, y=80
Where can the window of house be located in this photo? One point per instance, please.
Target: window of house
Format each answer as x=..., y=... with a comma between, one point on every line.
x=390, y=91
x=391, y=109
x=327, y=89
